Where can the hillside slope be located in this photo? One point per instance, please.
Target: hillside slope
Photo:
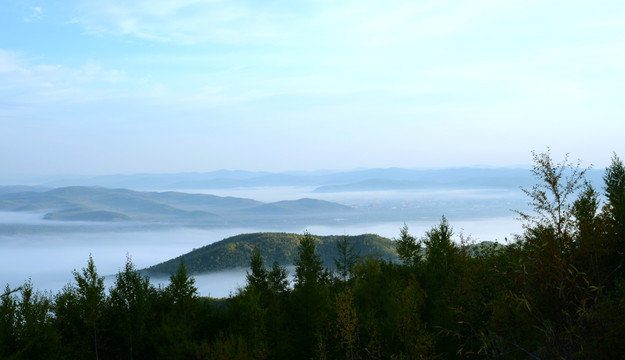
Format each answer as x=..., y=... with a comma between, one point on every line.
x=235, y=251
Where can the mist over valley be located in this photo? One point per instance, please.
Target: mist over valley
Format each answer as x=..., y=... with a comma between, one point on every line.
x=53, y=230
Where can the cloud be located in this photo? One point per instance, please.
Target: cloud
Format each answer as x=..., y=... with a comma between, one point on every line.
x=282, y=22
x=9, y=62
x=183, y=22
x=25, y=82
x=36, y=13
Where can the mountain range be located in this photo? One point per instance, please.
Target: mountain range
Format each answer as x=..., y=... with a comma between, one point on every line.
x=367, y=179
x=103, y=204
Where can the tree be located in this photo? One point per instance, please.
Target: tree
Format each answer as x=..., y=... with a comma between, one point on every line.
x=614, y=212
x=35, y=331
x=439, y=248
x=91, y=298
x=309, y=270
x=590, y=245
x=550, y=198
x=277, y=278
x=346, y=258
x=347, y=324
x=257, y=279
x=179, y=305
x=615, y=193
x=181, y=290
x=130, y=307
x=8, y=323
x=310, y=293
x=408, y=248
x=550, y=289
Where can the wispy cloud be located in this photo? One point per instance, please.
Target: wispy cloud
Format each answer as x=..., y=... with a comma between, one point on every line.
x=183, y=22
x=36, y=13
x=249, y=22
x=25, y=81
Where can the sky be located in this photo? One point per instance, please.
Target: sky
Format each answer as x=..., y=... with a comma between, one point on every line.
x=110, y=87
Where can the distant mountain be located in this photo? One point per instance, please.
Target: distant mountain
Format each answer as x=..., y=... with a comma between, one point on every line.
x=234, y=252
x=370, y=185
x=297, y=207
x=325, y=181
x=157, y=181
x=21, y=188
x=102, y=204
x=226, y=179
x=80, y=215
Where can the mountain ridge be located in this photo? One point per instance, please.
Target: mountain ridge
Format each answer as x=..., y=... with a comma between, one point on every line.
x=80, y=203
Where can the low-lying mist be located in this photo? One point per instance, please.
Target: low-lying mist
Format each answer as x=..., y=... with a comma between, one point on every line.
x=47, y=251
x=49, y=258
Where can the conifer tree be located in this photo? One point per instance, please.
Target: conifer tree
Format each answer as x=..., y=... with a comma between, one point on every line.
x=615, y=193
x=277, y=278
x=91, y=297
x=310, y=291
x=257, y=278
x=309, y=270
x=8, y=322
x=408, y=248
x=130, y=305
x=346, y=258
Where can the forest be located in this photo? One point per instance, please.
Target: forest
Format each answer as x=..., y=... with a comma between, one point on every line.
x=557, y=290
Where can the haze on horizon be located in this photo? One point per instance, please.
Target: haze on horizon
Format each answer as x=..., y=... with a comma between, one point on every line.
x=108, y=87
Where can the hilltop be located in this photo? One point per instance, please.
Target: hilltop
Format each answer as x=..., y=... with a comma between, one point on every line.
x=235, y=251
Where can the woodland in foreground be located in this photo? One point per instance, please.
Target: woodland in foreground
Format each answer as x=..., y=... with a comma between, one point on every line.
x=555, y=291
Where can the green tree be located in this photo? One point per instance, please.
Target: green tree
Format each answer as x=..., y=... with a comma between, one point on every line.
x=309, y=270
x=551, y=291
x=615, y=193
x=179, y=305
x=310, y=295
x=439, y=248
x=257, y=278
x=550, y=199
x=182, y=292
x=591, y=249
x=408, y=248
x=347, y=324
x=36, y=334
x=8, y=323
x=75, y=334
x=130, y=309
x=346, y=258
x=277, y=278
x=615, y=212
x=439, y=282
x=91, y=297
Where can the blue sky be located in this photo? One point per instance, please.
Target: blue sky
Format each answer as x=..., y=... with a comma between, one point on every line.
x=99, y=87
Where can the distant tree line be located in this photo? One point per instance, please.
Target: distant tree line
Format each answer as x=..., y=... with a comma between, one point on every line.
x=556, y=291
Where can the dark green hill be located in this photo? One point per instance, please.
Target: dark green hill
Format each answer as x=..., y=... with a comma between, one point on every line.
x=234, y=252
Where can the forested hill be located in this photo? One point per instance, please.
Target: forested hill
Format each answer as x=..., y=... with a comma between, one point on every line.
x=235, y=251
